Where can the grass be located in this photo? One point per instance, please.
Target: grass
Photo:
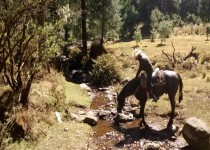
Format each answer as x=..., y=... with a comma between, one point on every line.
x=50, y=94
x=59, y=136
x=76, y=95
x=196, y=81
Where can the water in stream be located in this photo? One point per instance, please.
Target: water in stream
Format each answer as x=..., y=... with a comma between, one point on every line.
x=129, y=135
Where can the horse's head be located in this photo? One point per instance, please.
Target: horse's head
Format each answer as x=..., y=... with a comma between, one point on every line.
x=128, y=90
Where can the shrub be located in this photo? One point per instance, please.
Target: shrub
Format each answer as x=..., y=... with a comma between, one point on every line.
x=207, y=32
x=193, y=75
x=74, y=53
x=208, y=79
x=205, y=58
x=105, y=71
x=203, y=74
x=137, y=36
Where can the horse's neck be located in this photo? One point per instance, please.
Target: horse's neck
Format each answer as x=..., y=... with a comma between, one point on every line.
x=130, y=88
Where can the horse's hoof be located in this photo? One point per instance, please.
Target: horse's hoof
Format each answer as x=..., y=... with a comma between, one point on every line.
x=173, y=128
x=140, y=124
x=147, y=127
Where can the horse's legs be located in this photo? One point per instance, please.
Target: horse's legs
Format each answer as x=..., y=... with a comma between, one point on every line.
x=142, y=122
x=120, y=105
x=172, y=115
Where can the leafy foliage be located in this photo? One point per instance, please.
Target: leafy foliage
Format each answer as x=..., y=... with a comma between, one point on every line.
x=207, y=32
x=25, y=44
x=156, y=17
x=105, y=71
x=103, y=20
x=137, y=36
x=164, y=29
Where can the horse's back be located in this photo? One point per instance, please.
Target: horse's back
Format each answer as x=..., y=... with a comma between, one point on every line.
x=172, y=80
x=171, y=75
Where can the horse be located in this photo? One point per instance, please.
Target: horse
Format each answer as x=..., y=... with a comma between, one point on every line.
x=172, y=82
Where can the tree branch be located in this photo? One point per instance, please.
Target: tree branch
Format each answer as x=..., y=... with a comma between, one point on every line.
x=190, y=54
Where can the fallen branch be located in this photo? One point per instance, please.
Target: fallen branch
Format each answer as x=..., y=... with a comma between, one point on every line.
x=172, y=58
x=190, y=54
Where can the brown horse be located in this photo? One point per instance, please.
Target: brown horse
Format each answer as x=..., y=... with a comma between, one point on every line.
x=172, y=81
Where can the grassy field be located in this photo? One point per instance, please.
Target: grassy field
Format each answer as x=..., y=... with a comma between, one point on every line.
x=196, y=80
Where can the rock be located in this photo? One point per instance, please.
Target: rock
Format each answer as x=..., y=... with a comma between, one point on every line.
x=74, y=116
x=136, y=112
x=103, y=114
x=134, y=102
x=85, y=87
x=151, y=146
x=81, y=112
x=58, y=116
x=91, y=118
x=197, y=134
x=123, y=118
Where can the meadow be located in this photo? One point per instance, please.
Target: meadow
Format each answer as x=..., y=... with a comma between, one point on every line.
x=195, y=72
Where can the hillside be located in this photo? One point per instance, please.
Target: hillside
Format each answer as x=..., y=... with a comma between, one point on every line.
x=51, y=93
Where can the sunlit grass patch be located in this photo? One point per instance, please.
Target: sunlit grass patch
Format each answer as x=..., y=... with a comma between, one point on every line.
x=75, y=95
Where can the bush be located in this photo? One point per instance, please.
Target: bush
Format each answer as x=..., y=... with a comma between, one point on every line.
x=137, y=36
x=205, y=58
x=105, y=71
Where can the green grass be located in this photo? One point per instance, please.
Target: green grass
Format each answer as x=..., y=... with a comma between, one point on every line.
x=66, y=135
x=74, y=94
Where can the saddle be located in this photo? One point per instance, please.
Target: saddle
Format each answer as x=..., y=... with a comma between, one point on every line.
x=158, y=78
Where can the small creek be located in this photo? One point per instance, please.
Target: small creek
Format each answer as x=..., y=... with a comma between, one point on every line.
x=103, y=126
x=129, y=135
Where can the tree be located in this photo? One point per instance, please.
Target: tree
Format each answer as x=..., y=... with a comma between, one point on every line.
x=129, y=18
x=20, y=45
x=164, y=29
x=137, y=35
x=101, y=18
x=155, y=18
x=204, y=10
x=207, y=32
x=84, y=31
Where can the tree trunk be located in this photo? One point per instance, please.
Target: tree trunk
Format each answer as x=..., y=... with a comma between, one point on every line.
x=84, y=32
x=25, y=92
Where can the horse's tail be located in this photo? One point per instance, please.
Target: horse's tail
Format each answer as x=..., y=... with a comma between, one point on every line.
x=180, y=88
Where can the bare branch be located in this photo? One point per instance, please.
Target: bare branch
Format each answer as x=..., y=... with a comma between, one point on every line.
x=174, y=58
x=190, y=54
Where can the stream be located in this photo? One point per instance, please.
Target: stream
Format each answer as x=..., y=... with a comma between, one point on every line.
x=108, y=136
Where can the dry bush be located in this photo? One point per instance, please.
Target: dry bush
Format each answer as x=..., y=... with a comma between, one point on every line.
x=205, y=58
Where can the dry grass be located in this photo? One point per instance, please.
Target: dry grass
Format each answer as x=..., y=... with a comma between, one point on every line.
x=196, y=81
x=52, y=93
